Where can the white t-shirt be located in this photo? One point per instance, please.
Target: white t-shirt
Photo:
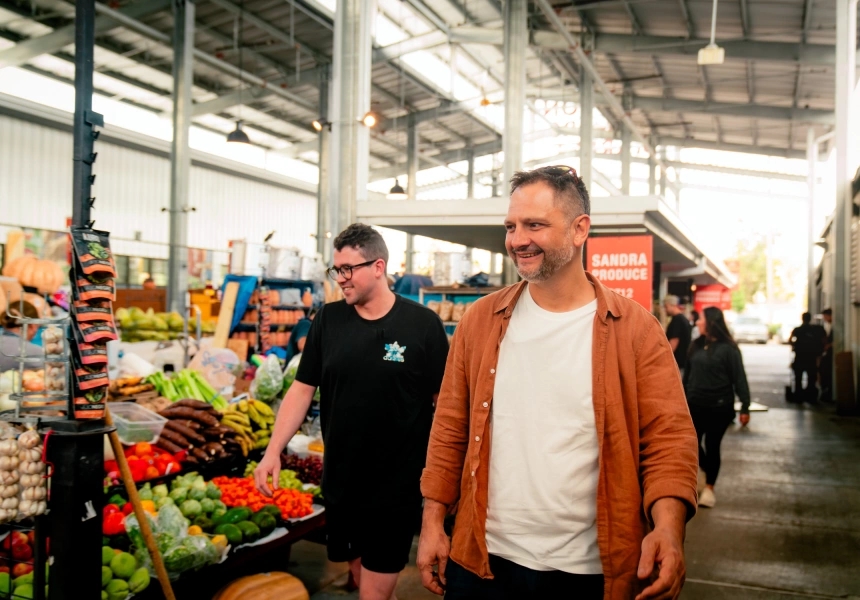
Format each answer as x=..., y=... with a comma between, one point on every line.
x=542, y=504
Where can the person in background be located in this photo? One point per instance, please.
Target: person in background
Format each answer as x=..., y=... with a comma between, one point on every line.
x=561, y=431
x=299, y=335
x=694, y=331
x=714, y=376
x=11, y=333
x=825, y=368
x=808, y=342
x=378, y=360
x=679, y=330
x=149, y=283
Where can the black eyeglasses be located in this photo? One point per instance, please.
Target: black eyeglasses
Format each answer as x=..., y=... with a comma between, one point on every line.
x=346, y=270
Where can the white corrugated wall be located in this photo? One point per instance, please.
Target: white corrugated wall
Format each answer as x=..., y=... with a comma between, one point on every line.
x=132, y=187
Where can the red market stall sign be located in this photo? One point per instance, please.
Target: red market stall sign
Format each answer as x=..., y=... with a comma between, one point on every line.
x=624, y=264
x=712, y=295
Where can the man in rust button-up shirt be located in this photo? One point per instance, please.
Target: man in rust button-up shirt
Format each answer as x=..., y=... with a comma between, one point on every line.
x=642, y=482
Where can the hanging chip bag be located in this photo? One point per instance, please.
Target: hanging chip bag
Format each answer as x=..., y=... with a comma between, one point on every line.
x=92, y=249
x=89, y=354
x=101, y=310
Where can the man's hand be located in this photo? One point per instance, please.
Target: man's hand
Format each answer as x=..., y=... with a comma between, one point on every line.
x=433, y=547
x=744, y=419
x=662, y=560
x=663, y=556
x=270, y=465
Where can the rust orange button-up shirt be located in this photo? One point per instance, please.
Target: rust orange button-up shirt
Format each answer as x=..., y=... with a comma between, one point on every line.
x=647, y=444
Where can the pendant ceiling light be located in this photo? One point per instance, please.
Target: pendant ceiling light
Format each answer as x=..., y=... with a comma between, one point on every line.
x=397, y=192
x=237, y=135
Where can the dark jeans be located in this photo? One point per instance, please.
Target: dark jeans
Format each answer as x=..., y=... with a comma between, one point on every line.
x=810, y=392
x=515, y=582
x=711, y=425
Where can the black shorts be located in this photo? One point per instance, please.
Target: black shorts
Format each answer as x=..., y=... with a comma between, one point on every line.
x=381, y=538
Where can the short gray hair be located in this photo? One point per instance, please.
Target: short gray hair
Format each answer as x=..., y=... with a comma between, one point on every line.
x=672, y=300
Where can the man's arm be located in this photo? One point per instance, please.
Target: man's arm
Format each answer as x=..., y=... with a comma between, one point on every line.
x=293, y=410
x=673, y=343
x=663, y=551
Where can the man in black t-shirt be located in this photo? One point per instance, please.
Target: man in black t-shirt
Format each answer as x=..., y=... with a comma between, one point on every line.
x=378, y=360
x=808, y=342
x=679, y=330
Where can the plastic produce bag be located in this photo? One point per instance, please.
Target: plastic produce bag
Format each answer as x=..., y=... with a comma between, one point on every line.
x=291, y=370
x=193, y=552
x=269, y=381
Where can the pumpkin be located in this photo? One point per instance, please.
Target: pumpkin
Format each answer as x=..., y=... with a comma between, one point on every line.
x=264, y=586
x=44, y=275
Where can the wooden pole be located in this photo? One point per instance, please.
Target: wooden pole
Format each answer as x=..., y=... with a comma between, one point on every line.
x=145, y=530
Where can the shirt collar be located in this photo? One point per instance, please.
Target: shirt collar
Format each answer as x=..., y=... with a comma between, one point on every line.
x=607, y=301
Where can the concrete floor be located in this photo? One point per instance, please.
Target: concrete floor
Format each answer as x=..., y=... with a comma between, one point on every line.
x=786, y=524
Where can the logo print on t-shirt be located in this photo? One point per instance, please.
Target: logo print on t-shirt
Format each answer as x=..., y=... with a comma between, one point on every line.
x=394, y=352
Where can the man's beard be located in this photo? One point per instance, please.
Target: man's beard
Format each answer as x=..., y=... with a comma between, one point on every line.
x=552, y=261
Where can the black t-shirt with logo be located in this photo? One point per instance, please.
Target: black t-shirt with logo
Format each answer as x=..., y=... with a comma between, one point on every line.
x=680, y=329
x=377, y=380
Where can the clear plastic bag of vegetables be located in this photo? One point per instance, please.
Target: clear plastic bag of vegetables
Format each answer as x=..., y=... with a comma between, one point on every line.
x=193, y=552
x=269, y=381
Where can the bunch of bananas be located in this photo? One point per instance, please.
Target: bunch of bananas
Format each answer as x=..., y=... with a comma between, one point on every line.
x=252, y=421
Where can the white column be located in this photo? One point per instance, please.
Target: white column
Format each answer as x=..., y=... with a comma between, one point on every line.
x=811, y=159
x=516, y=43
x=324, y=198
x=586, y=127
x=353, y=43
x=846, y=36
x=180, y=155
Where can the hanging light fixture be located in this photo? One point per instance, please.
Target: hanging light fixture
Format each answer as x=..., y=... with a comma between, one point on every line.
x=321, y=123
x=237, y=135
x=712, y=54
x=371, y=119
x=397, y=192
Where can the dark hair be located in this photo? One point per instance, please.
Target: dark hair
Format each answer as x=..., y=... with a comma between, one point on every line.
x=365, y=239
x=716, y=328
x=806, y=318
x=569, y=188
x=827, y=312
x=695, y=315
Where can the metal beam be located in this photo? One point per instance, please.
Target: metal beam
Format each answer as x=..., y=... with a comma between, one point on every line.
x=745, y=18
x=427, y=41
x=619, y=43
x=180, y=155
x=516, y=44
x=688, y=20
x=711, y=145
x=634, y=20
x=63, y=36
x=807, y=20
x=586, y=127
x=757, y=111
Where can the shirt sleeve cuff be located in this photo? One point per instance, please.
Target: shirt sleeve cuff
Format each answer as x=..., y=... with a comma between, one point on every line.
x=684, y=492
x=435, y=487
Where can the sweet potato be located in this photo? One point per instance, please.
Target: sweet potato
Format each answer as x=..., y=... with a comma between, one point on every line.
x=187, y=432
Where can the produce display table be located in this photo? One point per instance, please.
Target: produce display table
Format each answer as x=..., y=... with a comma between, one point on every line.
x=274, y=555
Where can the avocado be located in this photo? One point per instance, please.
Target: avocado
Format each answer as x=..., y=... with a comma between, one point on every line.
x=272, y=510
x=265, y=521
x=250, y=532
x=204, y=523
x=231, y=532
x=234, y=515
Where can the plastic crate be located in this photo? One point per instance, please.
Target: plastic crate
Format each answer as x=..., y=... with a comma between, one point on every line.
x=134, y=423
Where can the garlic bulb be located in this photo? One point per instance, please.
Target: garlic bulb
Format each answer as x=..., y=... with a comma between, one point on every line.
x=9, y=477
x=8, y=491
x=28, y=480
x=31, y=455
x=8, y=463
x=9, y=503
x=29, y=439
x=35, y=493
x=42, y=508
x=26, y=507
x=8, y=447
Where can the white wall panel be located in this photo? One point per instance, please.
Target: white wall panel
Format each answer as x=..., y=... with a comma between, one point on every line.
x=131, y=188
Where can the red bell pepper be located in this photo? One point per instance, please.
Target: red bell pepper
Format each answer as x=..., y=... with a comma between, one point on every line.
x=111, y=465
x=114, y=524
x=109, y=509
x=127, y=508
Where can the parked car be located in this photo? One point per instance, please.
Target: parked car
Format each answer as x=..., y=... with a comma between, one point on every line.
x=750, y=330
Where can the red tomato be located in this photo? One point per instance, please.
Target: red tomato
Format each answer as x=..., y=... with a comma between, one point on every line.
x=151, y=473
x=142, y=449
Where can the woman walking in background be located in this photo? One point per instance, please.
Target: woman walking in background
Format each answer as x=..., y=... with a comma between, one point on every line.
x=714, y=376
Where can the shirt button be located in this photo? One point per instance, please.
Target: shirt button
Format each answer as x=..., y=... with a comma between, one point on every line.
x=486, y=404
x=477, y=438
x=492, y=371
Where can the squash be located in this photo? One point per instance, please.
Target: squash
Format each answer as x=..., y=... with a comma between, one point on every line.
x=44, y=275
x=264, y=586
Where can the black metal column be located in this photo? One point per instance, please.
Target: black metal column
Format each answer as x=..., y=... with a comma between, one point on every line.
x=76, y=448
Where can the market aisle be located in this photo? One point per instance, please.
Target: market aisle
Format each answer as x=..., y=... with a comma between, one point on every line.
x=787, y=519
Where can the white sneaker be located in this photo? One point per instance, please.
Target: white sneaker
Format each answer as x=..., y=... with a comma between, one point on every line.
x=707, y=498
x=702, y=481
